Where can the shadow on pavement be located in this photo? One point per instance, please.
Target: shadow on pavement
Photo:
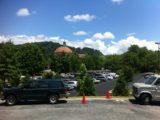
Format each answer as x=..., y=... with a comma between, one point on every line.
x=136, y=102
x=35, y=103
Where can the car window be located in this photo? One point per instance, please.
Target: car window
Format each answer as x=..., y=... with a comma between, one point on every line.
x=55, y=84
x=43, y=84
x=71, y=83
x=150, y=80
x=157, y=82
x=33, y=84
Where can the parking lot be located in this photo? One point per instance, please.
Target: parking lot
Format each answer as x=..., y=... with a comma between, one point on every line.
x=118, y=109
x=101, y=88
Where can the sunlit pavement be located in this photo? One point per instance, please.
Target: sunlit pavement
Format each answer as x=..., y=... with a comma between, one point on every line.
x=73, y=109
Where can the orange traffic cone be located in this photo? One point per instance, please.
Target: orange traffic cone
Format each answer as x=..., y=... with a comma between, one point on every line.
x=84, y=99
x=108, y=95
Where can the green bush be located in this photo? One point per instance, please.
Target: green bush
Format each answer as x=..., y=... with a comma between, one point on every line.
x=121, y=88
x=48, y=75
x=85, y=82
x=1, y=85
x=128, y=73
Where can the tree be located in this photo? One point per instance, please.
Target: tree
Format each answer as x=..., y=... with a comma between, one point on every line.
x=113, y=62
x=1, y=85
x=48, y=75
x=61, y=63
x=127, y=73
x=85, y=83
x=31, y=59
x=121, y=88
x=8, y=65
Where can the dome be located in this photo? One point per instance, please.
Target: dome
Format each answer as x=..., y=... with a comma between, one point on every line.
x=63, y=49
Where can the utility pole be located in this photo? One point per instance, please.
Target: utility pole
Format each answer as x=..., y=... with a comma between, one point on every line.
x=158, y=43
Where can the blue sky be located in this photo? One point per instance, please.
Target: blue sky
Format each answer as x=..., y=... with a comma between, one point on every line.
x=110, y=26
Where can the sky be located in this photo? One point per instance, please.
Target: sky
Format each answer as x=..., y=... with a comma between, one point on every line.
x=110, y=26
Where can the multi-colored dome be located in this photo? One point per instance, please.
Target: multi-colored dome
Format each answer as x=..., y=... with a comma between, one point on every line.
x=63, y=49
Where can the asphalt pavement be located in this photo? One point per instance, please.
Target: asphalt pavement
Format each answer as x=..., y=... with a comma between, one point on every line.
x=101, y=88
x=73, y=110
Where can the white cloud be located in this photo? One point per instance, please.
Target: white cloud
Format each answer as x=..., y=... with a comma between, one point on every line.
x=4, y=39
x=80, y=33
x=117, y=1
x=21, y=39
x=23, y=12
x=114, y=47
x=76, y=18
x=106, y=35
x=122, y=46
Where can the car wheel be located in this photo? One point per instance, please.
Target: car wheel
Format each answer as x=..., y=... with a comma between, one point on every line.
x=53, y=99
x=145, y=99
x=11, y=100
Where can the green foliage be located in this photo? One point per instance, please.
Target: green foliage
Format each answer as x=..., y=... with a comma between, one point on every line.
x=85, y=83
x=48, y=75
x=113, y=62
x=88, y=51
x=121, y=88
x=1, y=85
x=31, y=59
x=60, y=63
x=139, y=59
x=8, y=66
x=127, y=73
x=94, y=62
x=57, y=75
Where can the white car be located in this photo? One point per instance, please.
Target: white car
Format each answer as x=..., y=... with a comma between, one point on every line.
x=72, y=83
x=96, y=81
x=109, y=77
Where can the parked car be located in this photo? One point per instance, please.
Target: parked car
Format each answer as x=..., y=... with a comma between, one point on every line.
x=44, y=89
x=109, y=77
x=114, y=75
x=69, y=87
x=148, y=91
x=101, y=78
x=72, y=83
x=96, y=81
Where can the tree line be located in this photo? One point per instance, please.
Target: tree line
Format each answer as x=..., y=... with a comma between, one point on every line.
x=32, y=58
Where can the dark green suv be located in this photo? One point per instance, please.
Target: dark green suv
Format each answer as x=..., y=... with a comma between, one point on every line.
x=45, y=89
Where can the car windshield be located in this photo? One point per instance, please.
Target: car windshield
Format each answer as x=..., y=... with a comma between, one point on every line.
x=71, y=83
x=150, y=80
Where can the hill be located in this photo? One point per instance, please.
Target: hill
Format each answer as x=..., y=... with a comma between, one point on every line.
x=50, y=47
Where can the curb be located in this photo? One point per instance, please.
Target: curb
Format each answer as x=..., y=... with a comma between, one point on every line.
x=100, y=98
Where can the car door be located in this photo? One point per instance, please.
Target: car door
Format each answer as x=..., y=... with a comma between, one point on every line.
x=157, y=93
x=30, y=91
x=43, y=90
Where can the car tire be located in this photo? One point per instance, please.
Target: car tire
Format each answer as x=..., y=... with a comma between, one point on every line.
x=11, y=100
x=53, y=99
x=145, y=99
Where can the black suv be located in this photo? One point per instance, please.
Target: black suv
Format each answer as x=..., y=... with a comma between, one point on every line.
x=45, y=89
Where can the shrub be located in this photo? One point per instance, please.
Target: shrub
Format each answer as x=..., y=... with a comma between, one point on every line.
x=48, y=75
x=121, y=88
x=1, y=85
x=85, y=82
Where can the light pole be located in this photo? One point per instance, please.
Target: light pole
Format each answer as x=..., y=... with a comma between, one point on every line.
x=158, y=43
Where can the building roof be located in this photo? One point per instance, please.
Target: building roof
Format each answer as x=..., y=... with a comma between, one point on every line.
x=63, y=49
